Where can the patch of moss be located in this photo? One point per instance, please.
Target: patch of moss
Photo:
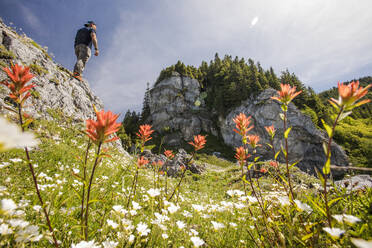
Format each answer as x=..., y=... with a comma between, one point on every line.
x=54, y=80
x=3, y=64
x=41, y=49
x=5, y=53
x=35, y=94
x=38, y=69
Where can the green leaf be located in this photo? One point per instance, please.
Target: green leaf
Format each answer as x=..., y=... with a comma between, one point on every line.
x=94, y=200
x=285, y=181
x=269, y=145
x=321, y=178
x=250, y=166
x=286, y=133
x=284, y=107
x=334, y=105
x=149, y=147
x=327, y=128
x=27, y=123
x=256, y=158
x=327, y=167
x=276, y=155
x=316, y=205
x=344, y=114
x=281, y=116
x=306, y=237
x=293, y=164
x=334, y=201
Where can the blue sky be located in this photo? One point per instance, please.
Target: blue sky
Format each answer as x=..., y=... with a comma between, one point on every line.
x=321, y=41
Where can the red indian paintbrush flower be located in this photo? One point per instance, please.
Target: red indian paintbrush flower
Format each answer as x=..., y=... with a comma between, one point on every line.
x=240, y=154
x=349, y=94
x=199, y=142
x=270, y=130
x=274, y=164
x=242, y=124
x=263, y=170
x=98, y=131
x=253, y=140
x=169, y=154
x=19, y=77
x=142, y=162
x=144, y=133
x=286, y=94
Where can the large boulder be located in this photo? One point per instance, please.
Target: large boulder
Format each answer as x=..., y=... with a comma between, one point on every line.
x=177, y=109
x=304, y=142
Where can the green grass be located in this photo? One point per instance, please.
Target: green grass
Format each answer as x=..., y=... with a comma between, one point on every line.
x=61, y=154
x=5, y=53
x=39, y=70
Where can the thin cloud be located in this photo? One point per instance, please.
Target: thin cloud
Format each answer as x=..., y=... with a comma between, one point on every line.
x=320, y=42
x=254, y=21
x=31, y=18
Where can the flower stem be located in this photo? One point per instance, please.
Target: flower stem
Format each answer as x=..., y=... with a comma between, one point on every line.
x=329, y=157
x=83, y=193
x=290, y=193
x=35, y=182
x=88, y=191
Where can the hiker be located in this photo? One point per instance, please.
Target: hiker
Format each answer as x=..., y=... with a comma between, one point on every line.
x=83, y=45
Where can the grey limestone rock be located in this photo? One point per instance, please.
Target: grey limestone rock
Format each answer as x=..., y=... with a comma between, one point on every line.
x=304, y=142
x=176, y=106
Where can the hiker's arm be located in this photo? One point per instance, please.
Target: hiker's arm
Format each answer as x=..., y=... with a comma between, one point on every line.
x=95, y=43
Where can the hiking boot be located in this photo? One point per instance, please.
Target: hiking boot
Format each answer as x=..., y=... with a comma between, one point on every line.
x=77, y=76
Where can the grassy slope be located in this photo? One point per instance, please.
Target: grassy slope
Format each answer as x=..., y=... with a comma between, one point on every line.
x=62, y=150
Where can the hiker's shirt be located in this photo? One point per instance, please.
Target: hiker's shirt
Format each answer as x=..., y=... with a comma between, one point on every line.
x=84, y=36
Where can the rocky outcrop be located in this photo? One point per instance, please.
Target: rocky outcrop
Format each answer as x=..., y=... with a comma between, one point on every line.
x=55, y=92
x=55, y=89
x=304, y=142
x=177, y=109
x=173, y=166
x=357, y=182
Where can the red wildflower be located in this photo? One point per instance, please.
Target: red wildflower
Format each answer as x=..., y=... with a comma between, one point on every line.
x=98, y=131
x=182, y=167
x=242, y=124
x=199, y=142
x=263, y=170
x=158, y=163
x=286, y=94
x=274, y=164
x=142, y=162
x=169, y=154
x=144, y=133
x=270, y=130
x=240, y=154
x=19, y=77
x=253, y=140
x=350, y=93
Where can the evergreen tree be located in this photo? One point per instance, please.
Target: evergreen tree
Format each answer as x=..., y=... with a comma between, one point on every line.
x=146, y=105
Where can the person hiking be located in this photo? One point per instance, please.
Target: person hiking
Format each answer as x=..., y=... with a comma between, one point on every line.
x=83, y=45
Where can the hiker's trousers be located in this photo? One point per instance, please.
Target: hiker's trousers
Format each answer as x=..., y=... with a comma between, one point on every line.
x=83, y=53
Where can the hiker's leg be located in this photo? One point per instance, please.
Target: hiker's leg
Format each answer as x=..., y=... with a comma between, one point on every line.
x=83, y=54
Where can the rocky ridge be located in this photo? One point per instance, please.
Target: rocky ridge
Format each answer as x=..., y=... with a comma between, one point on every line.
x=55, y=88
x=177, y=104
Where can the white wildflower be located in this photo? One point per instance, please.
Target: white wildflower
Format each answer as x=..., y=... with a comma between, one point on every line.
x=86, y=244
x=351, y=219
x=131, y=238
x=4, y=229
x=112, y=224
x=18, y=223
x=252, y=199
x=110, y=244
x=16, y=160
x=334, y=232
x=173, y=208
x=197, y=241
x=153, y=192
x=338, y=217
x=142, y=229
x=136, y=205
x=11, y=136
x=164, y=236
x=76, y=171
x=8, y=205
x=197, y=207
x=217, y=225
x=187, y=214
x=361, y=243
x=303, y=206
x=36, y=208
x=193, y=232
x=3, y=165
x=180, y=224
x=283, y=200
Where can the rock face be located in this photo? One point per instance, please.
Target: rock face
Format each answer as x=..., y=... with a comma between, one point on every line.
x=178, y=110
x=55, y=91
x=304, y=142
x=55, y=88
x=357, y=182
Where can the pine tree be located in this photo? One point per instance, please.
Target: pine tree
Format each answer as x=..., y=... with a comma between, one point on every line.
x=146, y=105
